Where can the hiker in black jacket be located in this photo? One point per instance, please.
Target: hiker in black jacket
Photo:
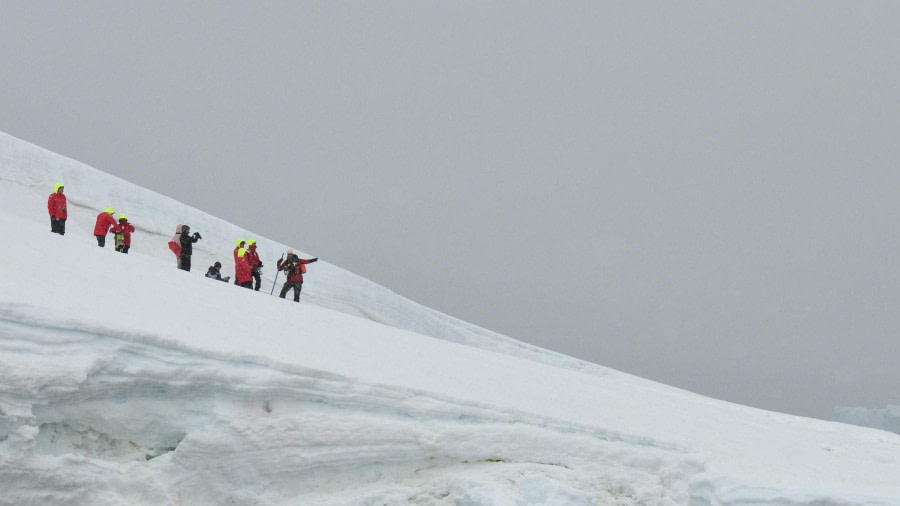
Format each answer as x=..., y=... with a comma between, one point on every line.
x=187, y=247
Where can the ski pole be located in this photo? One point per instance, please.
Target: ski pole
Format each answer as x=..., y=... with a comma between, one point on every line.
x=275, y=281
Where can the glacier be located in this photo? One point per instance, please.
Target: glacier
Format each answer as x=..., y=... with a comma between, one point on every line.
x=126, y=381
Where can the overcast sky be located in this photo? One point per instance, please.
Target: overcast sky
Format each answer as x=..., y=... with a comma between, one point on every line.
x=700, y=193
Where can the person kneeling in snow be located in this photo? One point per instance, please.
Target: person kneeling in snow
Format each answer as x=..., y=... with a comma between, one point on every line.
x=215, y=272
x=293, y=267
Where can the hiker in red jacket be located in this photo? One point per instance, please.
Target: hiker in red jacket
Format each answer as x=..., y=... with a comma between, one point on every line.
x=106, y=222
x=242, y=269
x=123, y=234
x=59, y=211
x=255, y=264
x=240, y=244
x=293, y=267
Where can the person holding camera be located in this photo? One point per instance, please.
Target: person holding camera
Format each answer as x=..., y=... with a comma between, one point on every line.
x=187, y=247
x=293, y=267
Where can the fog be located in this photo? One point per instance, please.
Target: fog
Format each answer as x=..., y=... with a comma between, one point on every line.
x=702, y=194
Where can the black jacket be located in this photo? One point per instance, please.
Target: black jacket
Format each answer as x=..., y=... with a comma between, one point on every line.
x=187, y=244
x=214, y=273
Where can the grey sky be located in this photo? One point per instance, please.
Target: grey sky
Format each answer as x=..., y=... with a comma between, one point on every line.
x=700, y=193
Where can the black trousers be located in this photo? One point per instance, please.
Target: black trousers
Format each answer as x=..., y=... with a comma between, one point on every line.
x=257, y=280
x=247, y=284
x=297, y=288
x=123, y=249
x=58, y=226
x=101, y=240
x=185, y=262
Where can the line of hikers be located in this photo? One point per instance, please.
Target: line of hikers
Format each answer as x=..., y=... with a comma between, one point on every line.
x=248, y=269
x=247, y=265
x=106, y=221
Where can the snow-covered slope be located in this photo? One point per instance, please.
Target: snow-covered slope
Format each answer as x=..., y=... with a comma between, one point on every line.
x=887, y=418
x=126, y=381
x=27, y=169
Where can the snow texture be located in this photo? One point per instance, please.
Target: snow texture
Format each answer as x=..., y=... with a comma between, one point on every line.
x=124, y=380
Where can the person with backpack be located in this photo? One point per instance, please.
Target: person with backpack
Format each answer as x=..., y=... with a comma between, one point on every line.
x=187, y=247
x=215, y=272
x=255, y=264
x=123, y=234
x=242, y=269
x=106, y=223
x=175, y=245
x=58, y=208
x=293, y=267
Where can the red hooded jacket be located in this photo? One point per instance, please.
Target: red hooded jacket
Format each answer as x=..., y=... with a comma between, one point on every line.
x=105, y=223
x=242, y=268
x=56, y=204
x=253, y=257
x=126, y=229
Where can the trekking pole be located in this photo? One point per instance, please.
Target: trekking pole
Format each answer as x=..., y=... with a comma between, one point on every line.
x=275, y=281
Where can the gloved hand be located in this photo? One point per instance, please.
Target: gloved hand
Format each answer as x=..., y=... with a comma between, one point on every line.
x=197, y=235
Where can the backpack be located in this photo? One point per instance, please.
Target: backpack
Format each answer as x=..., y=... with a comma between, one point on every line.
x=294, y=260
